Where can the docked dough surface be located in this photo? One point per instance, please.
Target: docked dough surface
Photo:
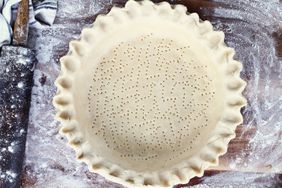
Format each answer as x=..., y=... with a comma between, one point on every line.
x=150, y=95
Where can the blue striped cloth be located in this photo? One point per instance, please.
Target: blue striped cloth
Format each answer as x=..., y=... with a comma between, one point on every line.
x=41, y=13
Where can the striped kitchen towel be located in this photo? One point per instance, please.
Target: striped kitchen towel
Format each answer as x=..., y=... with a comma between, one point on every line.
x=41, y=13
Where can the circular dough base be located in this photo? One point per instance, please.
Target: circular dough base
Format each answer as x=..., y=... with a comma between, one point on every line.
x=149, y=96
x=151, y=101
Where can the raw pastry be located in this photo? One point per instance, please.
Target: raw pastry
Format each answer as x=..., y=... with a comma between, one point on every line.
x=150, y=95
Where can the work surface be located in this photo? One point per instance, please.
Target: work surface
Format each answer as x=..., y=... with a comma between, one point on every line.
x=253, y=28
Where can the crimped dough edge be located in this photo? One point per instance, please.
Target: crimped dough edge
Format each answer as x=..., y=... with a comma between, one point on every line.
x=222, y=134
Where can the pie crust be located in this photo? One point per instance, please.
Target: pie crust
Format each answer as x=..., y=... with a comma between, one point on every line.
x=150, y=95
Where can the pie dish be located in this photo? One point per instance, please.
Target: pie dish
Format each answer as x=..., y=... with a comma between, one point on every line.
x=150, y=96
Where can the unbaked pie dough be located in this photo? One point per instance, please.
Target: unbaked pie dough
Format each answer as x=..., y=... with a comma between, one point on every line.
x=149, y=96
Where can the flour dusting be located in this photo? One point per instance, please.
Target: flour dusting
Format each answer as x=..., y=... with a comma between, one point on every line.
x=249, y=26
x=251, y=34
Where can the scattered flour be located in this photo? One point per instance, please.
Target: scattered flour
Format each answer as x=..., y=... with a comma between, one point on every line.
x=248, y=25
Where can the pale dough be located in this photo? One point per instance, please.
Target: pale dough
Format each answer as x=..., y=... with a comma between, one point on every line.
x=149, y=96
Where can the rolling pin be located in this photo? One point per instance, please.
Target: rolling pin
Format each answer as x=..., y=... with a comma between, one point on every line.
x=16, y=80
